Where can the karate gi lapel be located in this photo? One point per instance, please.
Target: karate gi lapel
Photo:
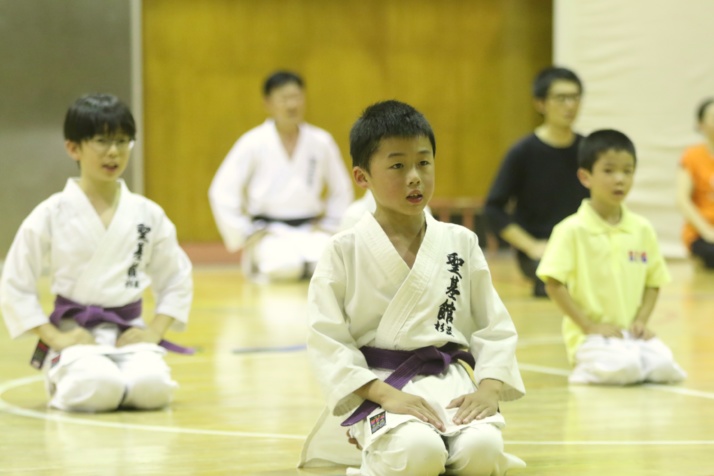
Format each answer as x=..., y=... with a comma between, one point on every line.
x=414, y=283
x=111, y=243
x=92, y=229
x=277, y=148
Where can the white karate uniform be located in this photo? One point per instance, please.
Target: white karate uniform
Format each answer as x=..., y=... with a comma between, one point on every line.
x=258, y=178
x=364, y=294
x=107, y=267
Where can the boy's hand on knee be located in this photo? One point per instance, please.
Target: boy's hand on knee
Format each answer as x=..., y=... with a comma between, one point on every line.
x=474, y=406
x=408, y=404
x=76, y=336
x=477, y=405
x=60, y=340
x=396, y=401
x=639, y=330
x=136, y=335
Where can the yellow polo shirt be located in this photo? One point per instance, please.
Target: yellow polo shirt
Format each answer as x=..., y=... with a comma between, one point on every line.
x=605, y=267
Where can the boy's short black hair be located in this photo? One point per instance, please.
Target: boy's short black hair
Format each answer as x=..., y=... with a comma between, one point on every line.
x=544, y=80
x=281, y=78
x=98, y=114
x=383, y=120
x=702, y=109
x=599, y=142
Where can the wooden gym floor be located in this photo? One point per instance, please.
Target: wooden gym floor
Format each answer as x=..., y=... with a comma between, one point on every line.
x=247, y=398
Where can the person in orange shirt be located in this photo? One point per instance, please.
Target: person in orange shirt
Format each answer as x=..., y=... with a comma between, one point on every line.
x=695, y=189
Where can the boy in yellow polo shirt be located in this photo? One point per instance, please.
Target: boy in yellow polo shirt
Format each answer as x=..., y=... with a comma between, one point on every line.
x=603, y=268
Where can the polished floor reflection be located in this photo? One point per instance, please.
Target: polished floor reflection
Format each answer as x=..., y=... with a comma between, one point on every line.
x=247, y=398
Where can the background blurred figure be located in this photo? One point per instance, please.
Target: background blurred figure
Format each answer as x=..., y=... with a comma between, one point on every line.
x=267, y=196
x=102, y=247
x=539, y=173
x=695, y=189
x=603, y=269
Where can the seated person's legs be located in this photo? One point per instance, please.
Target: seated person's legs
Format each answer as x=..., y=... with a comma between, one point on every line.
x=477, y=451
x=705, y=251
x=528, y=268
x=277, y=258
x=658, y=363
x=311, y=246
x=85, y=383
x=148, y=379
x=607, y=361
x=411, y=449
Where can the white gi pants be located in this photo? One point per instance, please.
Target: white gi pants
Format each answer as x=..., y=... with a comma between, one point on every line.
x=100, y=378
x=416, y=449
x=286, y=252
x=624, y=361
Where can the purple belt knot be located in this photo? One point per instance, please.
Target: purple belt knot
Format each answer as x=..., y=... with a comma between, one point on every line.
x=406, y=365
x=91, y=316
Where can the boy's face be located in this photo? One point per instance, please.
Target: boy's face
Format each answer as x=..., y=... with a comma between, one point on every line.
x=401, y=175
x=611, y=178
x=560, y=107
x=286, y=105
x=103, y=158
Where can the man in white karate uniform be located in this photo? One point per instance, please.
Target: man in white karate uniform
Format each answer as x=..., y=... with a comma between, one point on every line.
x=103, y=246
x=407, y=335
x=268, y=196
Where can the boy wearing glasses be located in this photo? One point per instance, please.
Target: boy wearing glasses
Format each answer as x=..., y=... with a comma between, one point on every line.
x=102, y=246
x=539, y=174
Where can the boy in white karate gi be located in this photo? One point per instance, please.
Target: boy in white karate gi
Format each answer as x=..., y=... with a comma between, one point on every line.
x=102, y=246
x=411, y=343
x=603, y=268
x=268, y=196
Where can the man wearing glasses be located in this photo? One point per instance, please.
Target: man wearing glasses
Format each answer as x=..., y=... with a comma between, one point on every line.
x=537, y=185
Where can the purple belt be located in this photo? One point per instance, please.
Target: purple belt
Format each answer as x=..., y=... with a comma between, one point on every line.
x=91, y=316
x=406, y=365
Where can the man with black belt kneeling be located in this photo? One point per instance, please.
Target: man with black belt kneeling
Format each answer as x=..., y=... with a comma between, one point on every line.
x=267, y=196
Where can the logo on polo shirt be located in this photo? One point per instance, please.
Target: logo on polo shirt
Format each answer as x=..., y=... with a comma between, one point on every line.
x=638, y=256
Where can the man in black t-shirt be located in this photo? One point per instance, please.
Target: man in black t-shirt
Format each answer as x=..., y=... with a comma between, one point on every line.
x=539, y=174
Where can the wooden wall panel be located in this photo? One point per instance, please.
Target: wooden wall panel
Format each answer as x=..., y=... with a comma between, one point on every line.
x=466, y=64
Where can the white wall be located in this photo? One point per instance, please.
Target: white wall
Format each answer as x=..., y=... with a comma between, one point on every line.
x=646, y=65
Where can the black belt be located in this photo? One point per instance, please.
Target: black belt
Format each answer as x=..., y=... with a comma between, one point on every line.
x=288, y=221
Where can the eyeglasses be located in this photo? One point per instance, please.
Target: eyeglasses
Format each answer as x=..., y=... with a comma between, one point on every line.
x=102, y=144
x=563, y=98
